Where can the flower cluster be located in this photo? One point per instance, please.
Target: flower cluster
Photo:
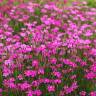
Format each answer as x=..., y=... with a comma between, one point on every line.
x=47, y=51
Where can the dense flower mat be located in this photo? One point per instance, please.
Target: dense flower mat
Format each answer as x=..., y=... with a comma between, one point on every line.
x=47, y=51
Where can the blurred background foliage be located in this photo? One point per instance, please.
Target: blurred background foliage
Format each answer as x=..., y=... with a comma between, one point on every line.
x=92, y=3
x=60, y=3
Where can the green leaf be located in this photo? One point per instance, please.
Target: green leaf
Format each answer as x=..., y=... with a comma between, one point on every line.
x=16, y=73
x=4, y=93
x=42, y=63
x=37, y=11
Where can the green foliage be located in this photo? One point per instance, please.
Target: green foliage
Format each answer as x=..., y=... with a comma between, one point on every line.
x=91, y=3
x=16, y=26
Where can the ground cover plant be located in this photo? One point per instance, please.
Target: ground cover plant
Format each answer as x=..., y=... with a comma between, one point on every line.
x=46, y=50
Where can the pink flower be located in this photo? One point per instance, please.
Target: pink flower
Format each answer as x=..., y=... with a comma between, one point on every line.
x=46, y=80
x=30, y=73
x=57, y=81
x=71, y=88
x=47, y=6
x=65, y=1
x=93, y=51
x=35, y=83
x=8, y=62
x=35, y=63
x=37, y=92
x=88, y=33
x=83, y=63
x=6, y=72
x=70, y=63
x=24, y=86
x=51, y=88
x=1, y=90
x=20, y=77
x=41, y=71
x=53, y=60
x=93, y=93
x=57, y=74
x=73, y=77
x=90, y=75
x=93, y=68
x=82, y=93
x=12, y=85
x=30, y=93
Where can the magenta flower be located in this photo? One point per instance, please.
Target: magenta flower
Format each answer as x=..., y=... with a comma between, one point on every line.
x=82, y=93
x=70, y=63
x=93, y=93
x=30, y=73
x=57, y=74
x=24, y=86
x=41, y=71
x=20, y=77
x=30, y=93
x=35, y=63
x=93, y=67
x=90, y=75
x=51, y=88
x=37, y=92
